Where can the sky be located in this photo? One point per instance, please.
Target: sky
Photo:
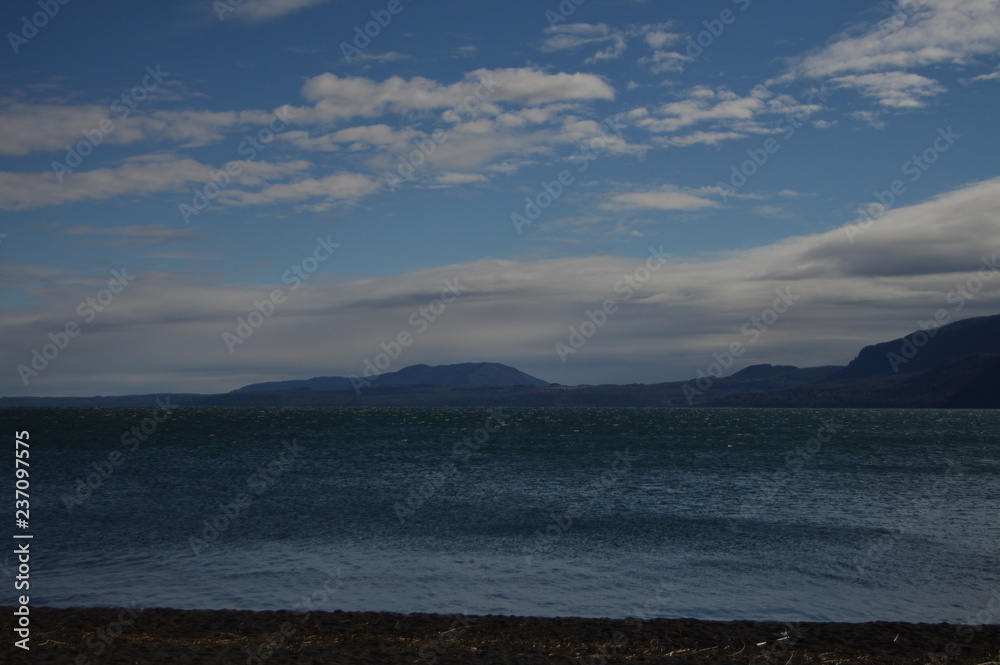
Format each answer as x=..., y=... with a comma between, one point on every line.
x=199, y=195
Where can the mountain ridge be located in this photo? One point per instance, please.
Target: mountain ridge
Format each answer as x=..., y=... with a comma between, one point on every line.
x=922, y=350
x=483, y=375
x=958, y=366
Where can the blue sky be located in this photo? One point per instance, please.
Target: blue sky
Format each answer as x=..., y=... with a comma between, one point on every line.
x=536, y=154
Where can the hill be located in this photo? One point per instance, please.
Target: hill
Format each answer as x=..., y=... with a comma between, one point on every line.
x=923, y=350
x=958, y=366
x=469, y=375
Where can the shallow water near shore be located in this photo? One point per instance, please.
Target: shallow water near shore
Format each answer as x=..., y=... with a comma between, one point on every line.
x=807, y=515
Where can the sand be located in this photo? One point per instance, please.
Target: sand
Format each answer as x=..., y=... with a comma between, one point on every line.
x=112, y=637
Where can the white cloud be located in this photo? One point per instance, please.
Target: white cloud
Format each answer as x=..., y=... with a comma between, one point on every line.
x=772, y=211
x=574, y=35
x=341, y=97
x=604, y=138
x=992, y=76
x=938, y=32
x=534, y=87
x=535, y=115
x=389, y=56
x=665, y=198
x=698, y=138
x=460, y=178
x=20, y=191
x=502, y=144
x=137, y=176
x=329, y=190
x=266, y=10
x=727, y=115
x=358, y=138
x=929, y=33
x=896, y=90
x=196, y=128
x=705, y=105
x=897, y=273
x=474, y=146
x=28, y=128
x=871, y=118
x=661, y=61
x=658, y=38
x=134, y=234
x=615, y=42
x=521, y=112
x=497, y=143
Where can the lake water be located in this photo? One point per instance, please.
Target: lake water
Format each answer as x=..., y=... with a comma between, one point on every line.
x=815, y=515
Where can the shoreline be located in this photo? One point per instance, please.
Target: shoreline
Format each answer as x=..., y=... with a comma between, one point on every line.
x=113, y=636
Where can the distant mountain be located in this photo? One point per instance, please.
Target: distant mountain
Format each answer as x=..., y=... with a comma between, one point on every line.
x=765, y=371
x=315, y=383
x=922, y=351
x=966, y=382
x=956, y=367
x=468, y=375
x=758, y=378
x=982, y=389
